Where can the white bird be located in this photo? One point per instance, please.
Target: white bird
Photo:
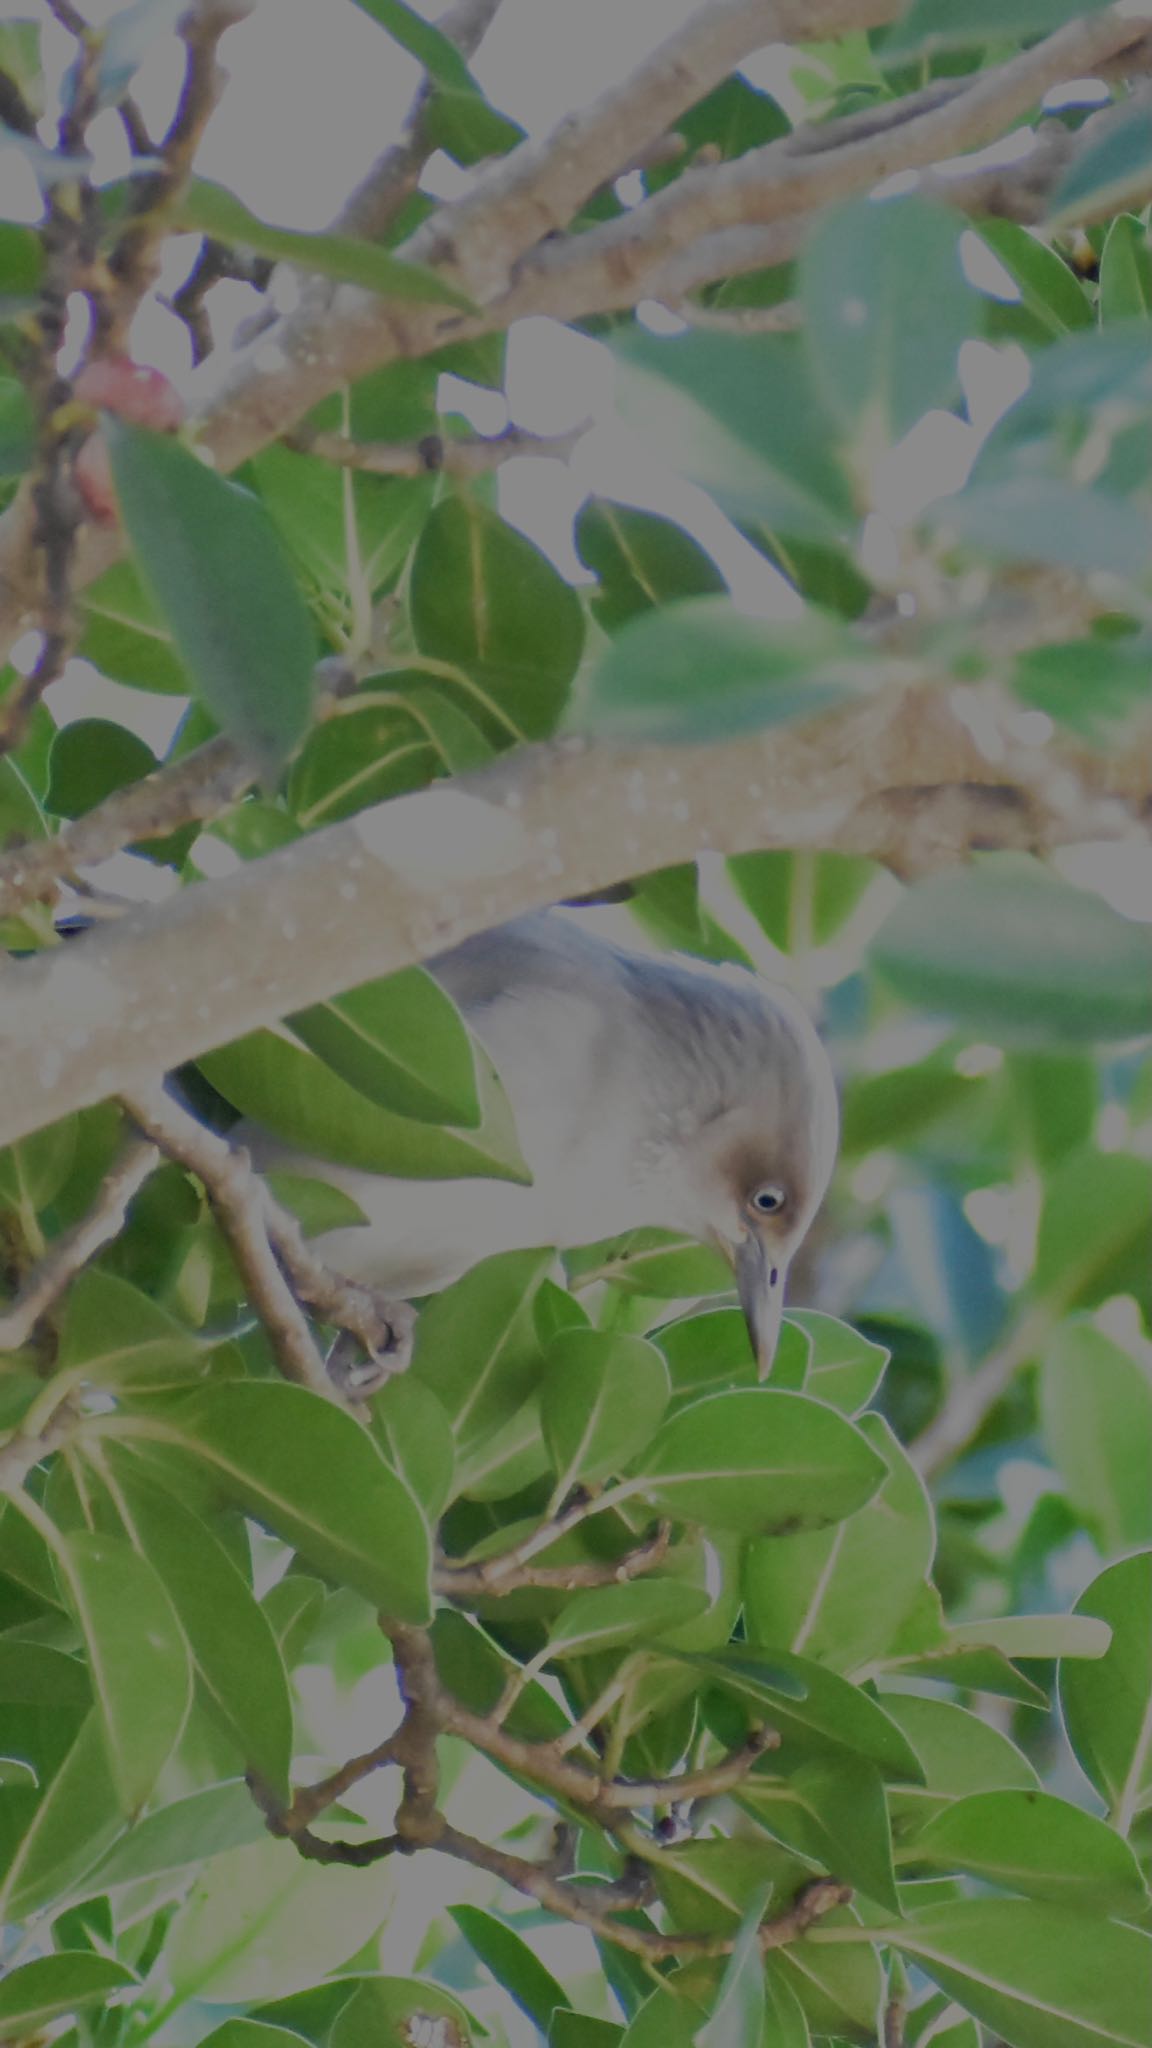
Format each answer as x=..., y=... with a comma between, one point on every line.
x=646, y=1092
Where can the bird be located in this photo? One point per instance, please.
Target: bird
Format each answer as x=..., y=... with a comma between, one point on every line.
x=647, y=1090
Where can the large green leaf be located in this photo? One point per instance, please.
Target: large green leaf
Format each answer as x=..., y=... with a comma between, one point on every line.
x=386, y=2009
x=1048, y=285
x=839, y=1594
x=1010, y=950
x=740, y=416
x=1125, y=272
x=260, y=1923
x=51, y=1987
x=759, y=1460
x=1043, y=1976
x=113, y=1334
x=934, y=25
x=512, y=1963
x=401, y=1042
x=831, y=1810
x=126, y=637
x=212, y=210
x=737, y=2017
x=234, y=1652
x=701, y=669
x=290, y=1092
x=137, y=1655
x=1030, y=1842
x=70, y=1829
x=603, y=1395
x=641, y=561
x=1096, y=1415
x=886, y=307
x=610, y=1616
x=1093, y=1236
x=476, y=1343
x=486, y=601
x=183, y=1833
x=831, y=1714
x=211, y=560
x=1107, y=1705
x=1109, y=172
x=308, y=1471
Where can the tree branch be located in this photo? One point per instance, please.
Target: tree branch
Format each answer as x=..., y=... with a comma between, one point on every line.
x=899, y=778
x=435, y=454
x=476, y=1581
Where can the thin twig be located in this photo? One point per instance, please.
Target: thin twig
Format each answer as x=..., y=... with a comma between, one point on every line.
x=75, y=1247
x=466, y=1581
x=238, y=1200
x=471, y=455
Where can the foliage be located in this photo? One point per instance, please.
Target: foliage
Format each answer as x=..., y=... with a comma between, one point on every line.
x=816, y=1711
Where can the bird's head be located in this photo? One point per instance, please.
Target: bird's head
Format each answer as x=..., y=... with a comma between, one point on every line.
x=762, y=1163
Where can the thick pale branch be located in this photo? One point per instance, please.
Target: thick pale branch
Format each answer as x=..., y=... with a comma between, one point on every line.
x=899, y=779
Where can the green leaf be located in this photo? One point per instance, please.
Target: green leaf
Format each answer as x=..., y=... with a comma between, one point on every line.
x=960, y=1753
x=886, y=307
x=250, y=2034
x=476, y=1343
x=234, y=1652
x=1026, y=518
x=308, y=1471
x=603, y=1395
x=35, y=1674
x=300, y=1100
x=708, y=1352
x=833, y=1812
x=839, y=1594
x=414, y=1433
x=512, y=1963
x=800, y=899
x=1030, y=1842
x=90, y=759
x=36, y=1168
x=1125, y=291
x=1041, y=1975
x=662, y=2021
x=485, y=600
x=76, y=1821
x=667, y=905
x=740, y=416
x=844, y=1368
x=609, y=1616
x=317, y=1206
x=579, y=2030
x=1048, y=286
x=137, y=1655
x=17, y=419
x=1096, y=1417
x=759, y=1460
x=1110, y=171
x=53, y=1986
x=831, y=1714
x=701, y=669
x=937, y=25
x=656, y=1263
x=211, y=209
x=21, y=270
x=459, y=119
x=1107, y=1706
x=116, y=1336
x=125, y=637
x=261, y=1923
x=737, y=2017
x=210, y=557
x=400, y=1041
x=1012, y=951
x=1092, y=1241
x=400, y=2009
x=359, y=758
x=184, y=1833
x=1093, y=687
x=641, y=561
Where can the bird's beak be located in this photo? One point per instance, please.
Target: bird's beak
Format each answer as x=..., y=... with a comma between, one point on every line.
x=760, y=1284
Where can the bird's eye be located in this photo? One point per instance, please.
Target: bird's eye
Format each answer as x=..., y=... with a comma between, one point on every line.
x=768, y=1200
